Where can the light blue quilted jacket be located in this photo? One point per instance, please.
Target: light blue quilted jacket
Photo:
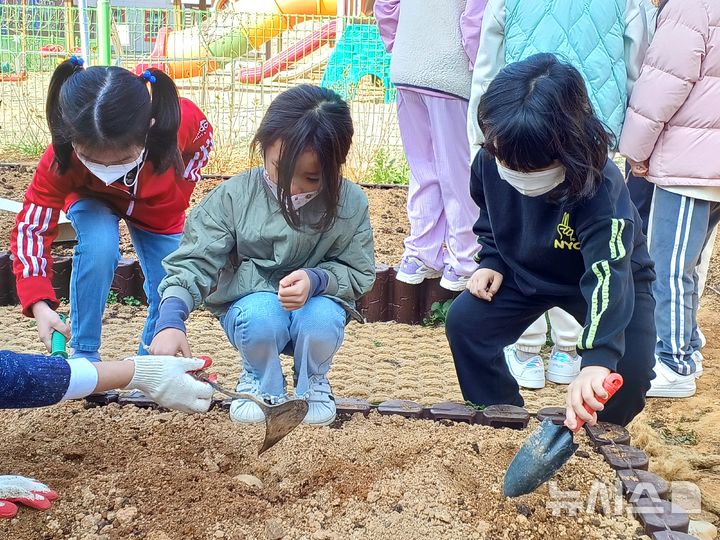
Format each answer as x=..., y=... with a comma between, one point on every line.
x=589, y=34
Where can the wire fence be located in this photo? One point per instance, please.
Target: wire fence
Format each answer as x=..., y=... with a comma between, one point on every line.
x=232, y=64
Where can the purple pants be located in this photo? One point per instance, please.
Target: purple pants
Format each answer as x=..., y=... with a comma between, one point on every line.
x=439, y=206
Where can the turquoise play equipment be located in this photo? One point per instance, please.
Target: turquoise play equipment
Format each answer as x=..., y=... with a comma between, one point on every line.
x=359, y=52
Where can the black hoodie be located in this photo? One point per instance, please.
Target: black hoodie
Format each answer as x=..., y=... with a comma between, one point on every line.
x=594, y=248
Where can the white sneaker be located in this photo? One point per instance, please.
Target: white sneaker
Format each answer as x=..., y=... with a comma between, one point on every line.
x=413, y=271
x=245, y=411
x=563, y=367
x=321, y=403
x=669, y=384
x=699, y=359
x=528, y=373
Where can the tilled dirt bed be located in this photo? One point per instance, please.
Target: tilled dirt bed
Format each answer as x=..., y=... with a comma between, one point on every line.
x=144, y=474
x=133, y=473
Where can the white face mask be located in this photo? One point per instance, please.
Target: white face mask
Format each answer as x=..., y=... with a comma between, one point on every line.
x=533, y=184
x=298, y=201
x=109, y=174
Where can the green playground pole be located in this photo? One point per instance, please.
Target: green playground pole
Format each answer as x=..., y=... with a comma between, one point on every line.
x=103, y=32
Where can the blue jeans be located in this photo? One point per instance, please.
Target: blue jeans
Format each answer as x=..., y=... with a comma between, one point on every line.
x=96, y=257
x=259, y=327
x=679, y=229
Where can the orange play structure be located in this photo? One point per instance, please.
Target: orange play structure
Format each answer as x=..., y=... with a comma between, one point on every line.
x=235, y=28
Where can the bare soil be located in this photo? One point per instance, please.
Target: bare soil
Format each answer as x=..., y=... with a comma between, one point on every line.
x=129, y=473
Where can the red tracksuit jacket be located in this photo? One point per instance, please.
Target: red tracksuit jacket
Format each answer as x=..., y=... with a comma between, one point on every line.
x=156, y=203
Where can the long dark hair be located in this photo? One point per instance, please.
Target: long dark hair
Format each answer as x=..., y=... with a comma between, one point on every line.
x=110, y=107
x=303, y=118
x=536, y=112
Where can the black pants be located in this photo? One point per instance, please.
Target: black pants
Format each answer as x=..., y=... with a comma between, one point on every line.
x=479, y=330
x=641, y=193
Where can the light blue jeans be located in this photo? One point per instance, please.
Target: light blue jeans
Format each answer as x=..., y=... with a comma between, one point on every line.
x=679, y=229
x=259, y=327
x=96, y=257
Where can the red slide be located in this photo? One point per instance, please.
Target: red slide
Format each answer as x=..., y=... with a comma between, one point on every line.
x=289, y=56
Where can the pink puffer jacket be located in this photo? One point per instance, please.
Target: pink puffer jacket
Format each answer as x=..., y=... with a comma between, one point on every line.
x=674, y=113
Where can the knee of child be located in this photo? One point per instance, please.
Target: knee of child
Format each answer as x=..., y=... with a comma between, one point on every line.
x=101, y=250
x=457, y=322
x=318, y=332
x=256, y=328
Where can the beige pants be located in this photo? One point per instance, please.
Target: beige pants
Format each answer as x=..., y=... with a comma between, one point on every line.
x=564, y=330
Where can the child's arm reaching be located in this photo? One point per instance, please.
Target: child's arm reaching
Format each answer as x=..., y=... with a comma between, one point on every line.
x=488, y=256
x=607, y=285
x=192, y=271
x=31, y=243
x=33, y=380
x=351, y=272
x=486, y=281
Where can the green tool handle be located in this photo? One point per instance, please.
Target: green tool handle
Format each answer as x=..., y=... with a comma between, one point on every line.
x=58, y=342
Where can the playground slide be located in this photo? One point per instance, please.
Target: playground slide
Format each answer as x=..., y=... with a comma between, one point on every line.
x=283, y=60
x=223, y=37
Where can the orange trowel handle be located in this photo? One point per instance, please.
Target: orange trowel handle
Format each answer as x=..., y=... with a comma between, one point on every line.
x=611, y=384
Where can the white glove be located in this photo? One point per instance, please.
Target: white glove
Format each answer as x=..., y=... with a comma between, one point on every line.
x=16, y=490
x=166, y=381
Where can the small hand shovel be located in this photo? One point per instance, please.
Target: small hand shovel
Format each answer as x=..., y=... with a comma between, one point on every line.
x=279, y=419
x=547, y=449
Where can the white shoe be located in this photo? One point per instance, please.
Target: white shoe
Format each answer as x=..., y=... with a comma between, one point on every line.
x=669, y=384
x=699, y=359
x=321, y=403
x=563, y=367
x=528, y=373
x=245, y=411
x=413, y=271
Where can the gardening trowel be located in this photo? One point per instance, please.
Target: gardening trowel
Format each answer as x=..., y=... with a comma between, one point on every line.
x=280, y=419
x=547, y=449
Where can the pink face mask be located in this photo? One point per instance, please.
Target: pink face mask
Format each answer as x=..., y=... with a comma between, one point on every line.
x=298, y=201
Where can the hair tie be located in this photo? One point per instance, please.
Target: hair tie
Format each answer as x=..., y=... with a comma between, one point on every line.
x=149, y=77
x=76, y=60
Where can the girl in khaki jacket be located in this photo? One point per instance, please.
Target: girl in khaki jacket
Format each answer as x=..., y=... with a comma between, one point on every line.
x=279, y=254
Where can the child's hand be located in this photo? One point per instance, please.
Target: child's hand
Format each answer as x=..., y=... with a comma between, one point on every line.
x=583, y=390
x=169, y=381
x=48, y=321
x=639, y=168
x=294, y=290
x=169, y=342
x=485, y=283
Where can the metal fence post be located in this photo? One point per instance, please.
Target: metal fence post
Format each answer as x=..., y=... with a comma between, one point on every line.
x=84, y=31
x=69, y=27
